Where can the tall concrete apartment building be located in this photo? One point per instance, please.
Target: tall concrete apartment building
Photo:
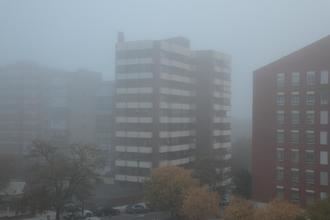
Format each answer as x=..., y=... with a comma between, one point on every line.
x=43, y=103
x=290, y=153
x=156, y=107
x=212, y=73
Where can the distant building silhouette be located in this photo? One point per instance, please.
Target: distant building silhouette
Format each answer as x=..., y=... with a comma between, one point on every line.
x=104, y=123
x=43, y=103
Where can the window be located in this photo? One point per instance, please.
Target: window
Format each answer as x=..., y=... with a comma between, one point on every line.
x=280, y=154
x=279, y=174
x=310, y=137
x=132, y=76
x=310, y=179
x=295, y=79
x=280, y=137
x=310, y=99
x=280, y=117
x=324, y=178
x=324, y=158
x=294, y=137
x=310, y=198
x=324, y=97
x=324, y=77
x=309, y=157
x=280, y=194
x=295, y=197
x=295, y=117
x=310, y=117
x=295, y=177
x=323, y=195
x=294, y=156
x=310, y=78
x=324, y=117
x=295, y=99
x=280, y=80
x=323, y=137
x=280, y=100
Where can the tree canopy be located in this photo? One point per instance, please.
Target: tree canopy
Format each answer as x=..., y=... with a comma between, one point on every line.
x=200, y=204
x=319, y=210
x=205, y=171
x=7, y=168
x=239, y=209
x=242, y=183
x=60, y=174
x=242, y=209
x=166, y=188
x=279, y=210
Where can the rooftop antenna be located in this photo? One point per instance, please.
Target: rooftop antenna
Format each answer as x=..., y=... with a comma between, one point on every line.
x=121, y=37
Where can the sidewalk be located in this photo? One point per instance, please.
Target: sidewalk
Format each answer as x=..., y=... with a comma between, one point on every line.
x=43, y=216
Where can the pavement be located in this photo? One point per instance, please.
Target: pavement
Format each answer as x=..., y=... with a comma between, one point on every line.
x=147, y=216
x=43, y=216
x=123, y=216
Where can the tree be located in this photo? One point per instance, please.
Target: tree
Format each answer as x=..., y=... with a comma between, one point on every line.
x=241, y=152
x=279, y=210
x=239, y=209
x=200, y=204
x=319, y=210
x=242, y=182
x=60, y=174
x=205, y=172
x=166, y=188
x=7, y=168
x=8, y=171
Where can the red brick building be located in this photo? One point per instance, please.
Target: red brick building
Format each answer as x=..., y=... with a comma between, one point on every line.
x=290, y=153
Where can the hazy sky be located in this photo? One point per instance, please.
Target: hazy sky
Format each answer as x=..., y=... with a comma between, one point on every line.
x=72, y=34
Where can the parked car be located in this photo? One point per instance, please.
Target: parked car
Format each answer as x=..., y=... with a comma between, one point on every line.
x=88, y=213
x=92, y=218
x=136, y=209
x=106, y=211
x=78, y=215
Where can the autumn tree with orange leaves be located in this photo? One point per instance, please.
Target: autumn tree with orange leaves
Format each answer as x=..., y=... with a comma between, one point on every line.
x=200, y=204
x=239, y=209
x=279, y=210
x=166, y=188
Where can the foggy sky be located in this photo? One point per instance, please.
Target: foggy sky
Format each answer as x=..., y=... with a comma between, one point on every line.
x=73, y=34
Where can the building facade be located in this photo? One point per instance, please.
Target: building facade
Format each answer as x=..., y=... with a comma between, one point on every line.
x=290, y=126
x=156, y=106
x=212, y=73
